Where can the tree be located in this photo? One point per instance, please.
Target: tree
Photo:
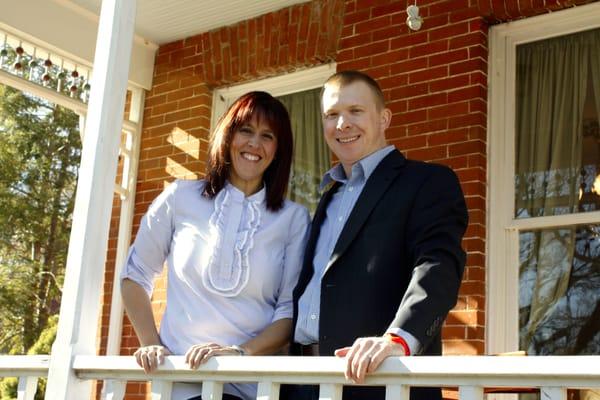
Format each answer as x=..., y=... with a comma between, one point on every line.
x=39, y=157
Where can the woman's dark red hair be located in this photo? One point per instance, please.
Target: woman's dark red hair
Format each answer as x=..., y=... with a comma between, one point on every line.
x=265, y=108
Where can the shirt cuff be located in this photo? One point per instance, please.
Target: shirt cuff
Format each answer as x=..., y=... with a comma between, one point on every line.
x=411, y=341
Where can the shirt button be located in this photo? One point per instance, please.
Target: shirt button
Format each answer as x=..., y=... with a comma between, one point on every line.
x=340, y=219
x=313, y=316
x=350, y=188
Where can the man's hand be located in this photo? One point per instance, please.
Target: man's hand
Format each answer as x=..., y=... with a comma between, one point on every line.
x=150, y=357
x=200, y=353
x=366, y=354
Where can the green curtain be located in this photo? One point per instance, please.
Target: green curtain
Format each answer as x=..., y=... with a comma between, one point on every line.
x=551, y=82
x=311, y=154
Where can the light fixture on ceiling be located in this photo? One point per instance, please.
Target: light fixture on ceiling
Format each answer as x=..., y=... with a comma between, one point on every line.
x=414, y=20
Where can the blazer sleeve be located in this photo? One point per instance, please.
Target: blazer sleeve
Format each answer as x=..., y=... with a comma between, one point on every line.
x=434, y=232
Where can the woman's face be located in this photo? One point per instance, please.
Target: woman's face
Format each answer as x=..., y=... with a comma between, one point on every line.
x=252, y=150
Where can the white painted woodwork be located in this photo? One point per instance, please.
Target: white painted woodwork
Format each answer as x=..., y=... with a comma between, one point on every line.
x=162, y=22
x=330, y=391
x=554, y=374
x=27, y=387
x=212, y=390
x=80, y=307
x=128, y=183
x=24, y=365
x=503, y=230
x=397, y=392
x=267, y=390
x=76, y=37
x=553, y=393
x=161, y=389
x=114, y=389
x=277, y=86
x=470, y=393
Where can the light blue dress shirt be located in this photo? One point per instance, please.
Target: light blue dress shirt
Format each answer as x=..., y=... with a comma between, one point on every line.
x=338, y=210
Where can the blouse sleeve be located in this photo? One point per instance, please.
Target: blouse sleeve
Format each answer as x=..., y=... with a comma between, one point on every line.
x=152, y=243
x=293, y=256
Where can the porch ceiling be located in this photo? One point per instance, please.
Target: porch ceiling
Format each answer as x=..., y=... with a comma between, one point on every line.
x=162, y=21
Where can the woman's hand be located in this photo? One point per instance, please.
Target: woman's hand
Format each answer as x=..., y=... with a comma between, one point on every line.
x=200, y=353
x=150, y=357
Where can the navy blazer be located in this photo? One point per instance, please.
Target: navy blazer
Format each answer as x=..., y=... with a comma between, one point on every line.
x=398, y=261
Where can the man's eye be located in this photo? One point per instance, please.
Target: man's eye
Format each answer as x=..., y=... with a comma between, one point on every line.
x=331, y=115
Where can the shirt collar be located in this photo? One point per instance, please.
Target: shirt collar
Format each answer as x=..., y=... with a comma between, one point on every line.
x=363, y=168
x=257, y=197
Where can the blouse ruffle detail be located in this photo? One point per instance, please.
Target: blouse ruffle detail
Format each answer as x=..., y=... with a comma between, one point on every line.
x=217, y=276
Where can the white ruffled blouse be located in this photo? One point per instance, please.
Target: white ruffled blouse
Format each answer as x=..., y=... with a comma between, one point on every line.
x=232, y=264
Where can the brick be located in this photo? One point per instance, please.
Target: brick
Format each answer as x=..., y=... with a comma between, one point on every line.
x=428, y=74
x=467, y=120
x=448, y=57
x=372, y=24
x=393, y=57
x=427, y=101
x=448, y=31
x=409, y=91
x=429, y=154
x=409, y=65
x=356, y=40
x=447, y=110
x=428, y=127
x=447, y=137
x=372, y=48
x=410, y=143
x=468, y=66
x=429, y=48
x=448, y=6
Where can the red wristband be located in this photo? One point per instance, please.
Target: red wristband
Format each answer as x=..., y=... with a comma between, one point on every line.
x=399, y=340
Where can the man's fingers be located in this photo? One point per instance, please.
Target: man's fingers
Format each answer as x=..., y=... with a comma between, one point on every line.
x=342, y=352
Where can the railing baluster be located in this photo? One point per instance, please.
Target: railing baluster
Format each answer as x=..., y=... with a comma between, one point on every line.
x=470, y=393
x=330, y=391
x=212, y=390
x=114, y=389
x=27, y=387
x=267, y=391
x=553, y=393
x=397, y=392
x=161, y=389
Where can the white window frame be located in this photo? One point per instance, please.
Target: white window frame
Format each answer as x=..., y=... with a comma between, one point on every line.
x=277, y=86
x=502, y=325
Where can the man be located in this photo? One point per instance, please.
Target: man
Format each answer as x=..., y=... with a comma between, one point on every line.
x=383, y=263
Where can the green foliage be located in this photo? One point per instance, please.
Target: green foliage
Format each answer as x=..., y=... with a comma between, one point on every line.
x=39, y=158
x=8, y=386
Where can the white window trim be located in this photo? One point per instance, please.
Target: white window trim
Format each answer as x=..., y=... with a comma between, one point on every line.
x=277, y=86
x=503, y=230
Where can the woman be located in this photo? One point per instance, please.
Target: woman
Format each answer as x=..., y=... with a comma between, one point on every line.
x=233, y=247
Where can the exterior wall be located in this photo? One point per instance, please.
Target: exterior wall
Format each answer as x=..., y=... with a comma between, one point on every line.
x=434, y=80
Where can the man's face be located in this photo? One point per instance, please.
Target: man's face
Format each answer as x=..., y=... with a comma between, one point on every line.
x=353, y=125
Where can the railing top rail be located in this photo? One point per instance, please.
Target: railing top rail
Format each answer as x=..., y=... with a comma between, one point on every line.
x=24, y=365
x=487, y=371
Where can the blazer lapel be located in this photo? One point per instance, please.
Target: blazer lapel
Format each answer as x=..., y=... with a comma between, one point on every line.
x=376, y=186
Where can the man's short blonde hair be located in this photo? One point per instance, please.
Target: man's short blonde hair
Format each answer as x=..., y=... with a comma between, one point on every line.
x=344, y=78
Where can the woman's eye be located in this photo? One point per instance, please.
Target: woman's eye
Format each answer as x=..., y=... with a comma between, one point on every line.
x=246, y=130
x=268, y=136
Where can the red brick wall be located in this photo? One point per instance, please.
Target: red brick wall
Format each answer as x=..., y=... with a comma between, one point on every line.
x=434, y=80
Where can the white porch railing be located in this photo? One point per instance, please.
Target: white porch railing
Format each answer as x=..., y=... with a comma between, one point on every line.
x=553, y=375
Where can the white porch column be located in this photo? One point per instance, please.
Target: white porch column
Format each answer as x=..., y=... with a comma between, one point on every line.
x=80, y=306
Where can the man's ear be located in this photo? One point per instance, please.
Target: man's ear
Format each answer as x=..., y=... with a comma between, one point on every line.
x=386, y=118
